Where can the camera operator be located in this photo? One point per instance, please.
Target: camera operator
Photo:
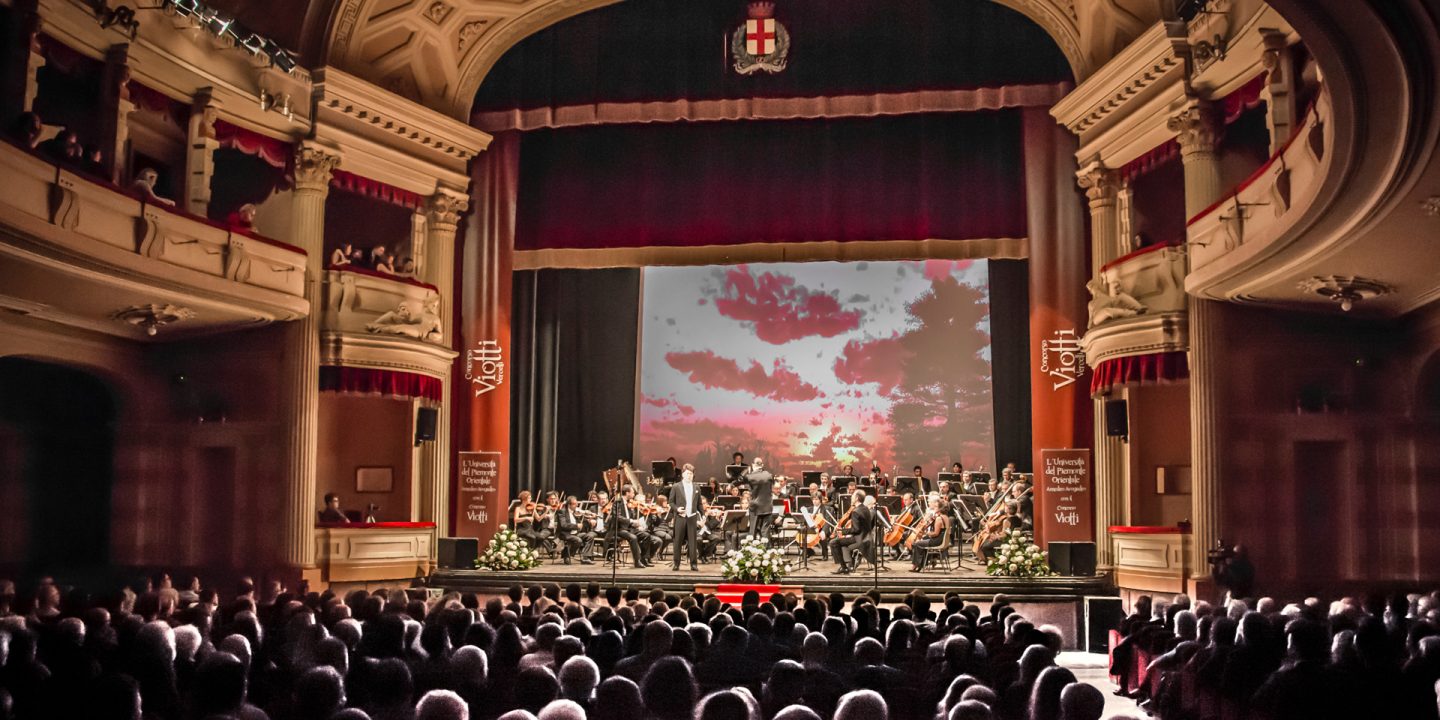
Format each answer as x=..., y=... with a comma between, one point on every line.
x=1231, y=568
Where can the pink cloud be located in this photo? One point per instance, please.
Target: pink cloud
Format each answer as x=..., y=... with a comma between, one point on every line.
x=941, y=269
x=781, y=311
x=712, y=371
x=871, y=361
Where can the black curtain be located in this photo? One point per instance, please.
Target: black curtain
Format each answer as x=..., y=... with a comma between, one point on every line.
x=1010, y=360
x=573, y=383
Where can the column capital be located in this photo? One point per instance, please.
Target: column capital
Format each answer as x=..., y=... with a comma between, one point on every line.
x=445, y=207
x=1101, y=184
x=1197, y=128
x=313, y=164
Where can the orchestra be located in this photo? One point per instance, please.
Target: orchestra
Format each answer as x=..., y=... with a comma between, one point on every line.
x=841, y=518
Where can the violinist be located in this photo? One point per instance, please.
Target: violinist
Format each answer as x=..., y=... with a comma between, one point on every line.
x=928, y=535
x=626, y=520
x=875, y=479
x=522, y=519
x=570, y=529
x=662, y=526
x=853, y=529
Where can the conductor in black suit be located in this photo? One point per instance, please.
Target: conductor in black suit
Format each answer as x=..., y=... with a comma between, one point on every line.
x=862, y=522
x=686, y=500
x=762, y=504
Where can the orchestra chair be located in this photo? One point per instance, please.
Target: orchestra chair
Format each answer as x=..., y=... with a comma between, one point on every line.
x=940, y=555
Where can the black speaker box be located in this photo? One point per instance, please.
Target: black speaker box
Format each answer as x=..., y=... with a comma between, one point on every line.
x=1082, y=559
x=1060, y=561
x=1102, y=614
x=457, y=552
x=425, y=421
x=1117, y=418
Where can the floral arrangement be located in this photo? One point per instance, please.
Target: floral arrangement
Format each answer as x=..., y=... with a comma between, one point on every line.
x=507, y=552
x=1019, y=556
x=755, y=562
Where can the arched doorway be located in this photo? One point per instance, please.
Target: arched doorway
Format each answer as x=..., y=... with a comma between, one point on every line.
x=57, y=466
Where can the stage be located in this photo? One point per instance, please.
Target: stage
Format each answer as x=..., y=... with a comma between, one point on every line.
x=972, y=583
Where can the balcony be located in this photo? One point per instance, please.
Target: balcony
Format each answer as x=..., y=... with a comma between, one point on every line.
x=375, y=320
x=1151, y=559
x=82, y=252
x=1137, y=305
x=1266, y=211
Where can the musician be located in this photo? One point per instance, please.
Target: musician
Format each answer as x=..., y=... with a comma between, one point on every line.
x=624, y=517
x=992, y=492
x=875, y=479
x=686, y=498
x=957, y=468
x=825, y=508
x=916, y=511
x=919, y=474
x=1009, y=521
x=659, y=522
x=1025, y=504
x=522, y=520
x=708, y=530
x=545, y=520
x=856, y=531
x=570, y=527
x=737, y=459
x=932, y=534
x=646, y=524
x=762, y=504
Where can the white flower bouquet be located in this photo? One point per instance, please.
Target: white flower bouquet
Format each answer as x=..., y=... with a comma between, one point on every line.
x=507, y=552
x=1018, y=556
x=755, y=562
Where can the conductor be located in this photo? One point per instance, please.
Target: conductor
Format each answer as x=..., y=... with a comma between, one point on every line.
x=762, y=505
x=686, y=500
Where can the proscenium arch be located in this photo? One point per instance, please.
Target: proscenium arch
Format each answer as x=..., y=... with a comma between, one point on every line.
x=1055, y=17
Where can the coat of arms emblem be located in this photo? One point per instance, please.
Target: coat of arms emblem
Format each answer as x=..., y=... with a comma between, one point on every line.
x=761, y=44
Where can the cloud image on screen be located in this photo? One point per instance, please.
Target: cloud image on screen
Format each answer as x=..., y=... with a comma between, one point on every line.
x=817, y=365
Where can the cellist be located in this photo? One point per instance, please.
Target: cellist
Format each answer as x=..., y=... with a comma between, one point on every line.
x=930, y=533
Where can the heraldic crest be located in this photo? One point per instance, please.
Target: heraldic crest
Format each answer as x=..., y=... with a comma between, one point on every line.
x=761, y=44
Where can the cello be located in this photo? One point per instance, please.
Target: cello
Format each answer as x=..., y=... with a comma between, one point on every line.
x=896, y=534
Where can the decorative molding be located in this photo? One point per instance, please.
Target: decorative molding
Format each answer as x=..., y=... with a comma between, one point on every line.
x=1345, y=289
x=348, y=102
x=1142, y=67
x=151, y=318
x=388, y=352
x=1139, y=335
x=850, y=251
x=1431, y=206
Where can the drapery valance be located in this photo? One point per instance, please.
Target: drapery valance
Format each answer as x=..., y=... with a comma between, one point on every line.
x=376, y=381
x=1150, y=369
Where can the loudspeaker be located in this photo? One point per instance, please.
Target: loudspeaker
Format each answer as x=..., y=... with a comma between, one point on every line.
x=457, y=552
x=1117, y=419
x=1060, y=561
x=1102, y=614
x=1082, y=559
x=425, y=421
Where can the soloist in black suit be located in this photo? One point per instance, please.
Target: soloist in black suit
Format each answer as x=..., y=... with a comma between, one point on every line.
x=686, y=528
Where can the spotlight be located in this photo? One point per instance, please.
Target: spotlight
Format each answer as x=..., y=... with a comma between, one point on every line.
x=122, y=17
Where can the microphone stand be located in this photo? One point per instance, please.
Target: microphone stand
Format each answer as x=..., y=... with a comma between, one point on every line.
x=614, y=532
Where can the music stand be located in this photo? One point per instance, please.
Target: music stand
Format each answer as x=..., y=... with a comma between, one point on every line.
x=956, y=480
x=734, y=472
x=727, y=501
x=907, y=483
x=842, y=482
x=877, y=558
x=734, y=520
x=662, y=470
x=810, y=477
x=893, y=504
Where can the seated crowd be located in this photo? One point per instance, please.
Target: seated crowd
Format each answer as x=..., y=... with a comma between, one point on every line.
x=1258, y=659
x=554, y=654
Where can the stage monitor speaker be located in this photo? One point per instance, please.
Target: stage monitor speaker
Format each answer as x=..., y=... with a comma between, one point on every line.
x=1117, y=418
x=457, y=552
x=1102, y=614
x=1060, y=561
x=425, y=421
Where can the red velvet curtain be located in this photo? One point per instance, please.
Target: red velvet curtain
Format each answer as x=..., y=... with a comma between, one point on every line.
x=387, y=383
x=275, y=153
x=376, y=189
x=1150, y=369
x=952, y=176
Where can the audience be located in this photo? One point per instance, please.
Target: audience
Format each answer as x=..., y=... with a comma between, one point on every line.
x=159, y=653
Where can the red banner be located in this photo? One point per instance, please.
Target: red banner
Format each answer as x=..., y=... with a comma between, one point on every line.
x=482, y=397
x=1063, y=496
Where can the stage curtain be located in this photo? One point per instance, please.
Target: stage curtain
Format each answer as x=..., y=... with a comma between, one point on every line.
x=573, y=382
x=1010, y=359
x=275, y=153
x=373, y=381
x=1150, y=369
x=955, y=176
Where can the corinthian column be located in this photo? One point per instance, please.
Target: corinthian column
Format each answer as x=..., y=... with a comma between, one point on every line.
x=442, y=216
x=313, y=164
x=1101, y=186
x=1197, y=132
